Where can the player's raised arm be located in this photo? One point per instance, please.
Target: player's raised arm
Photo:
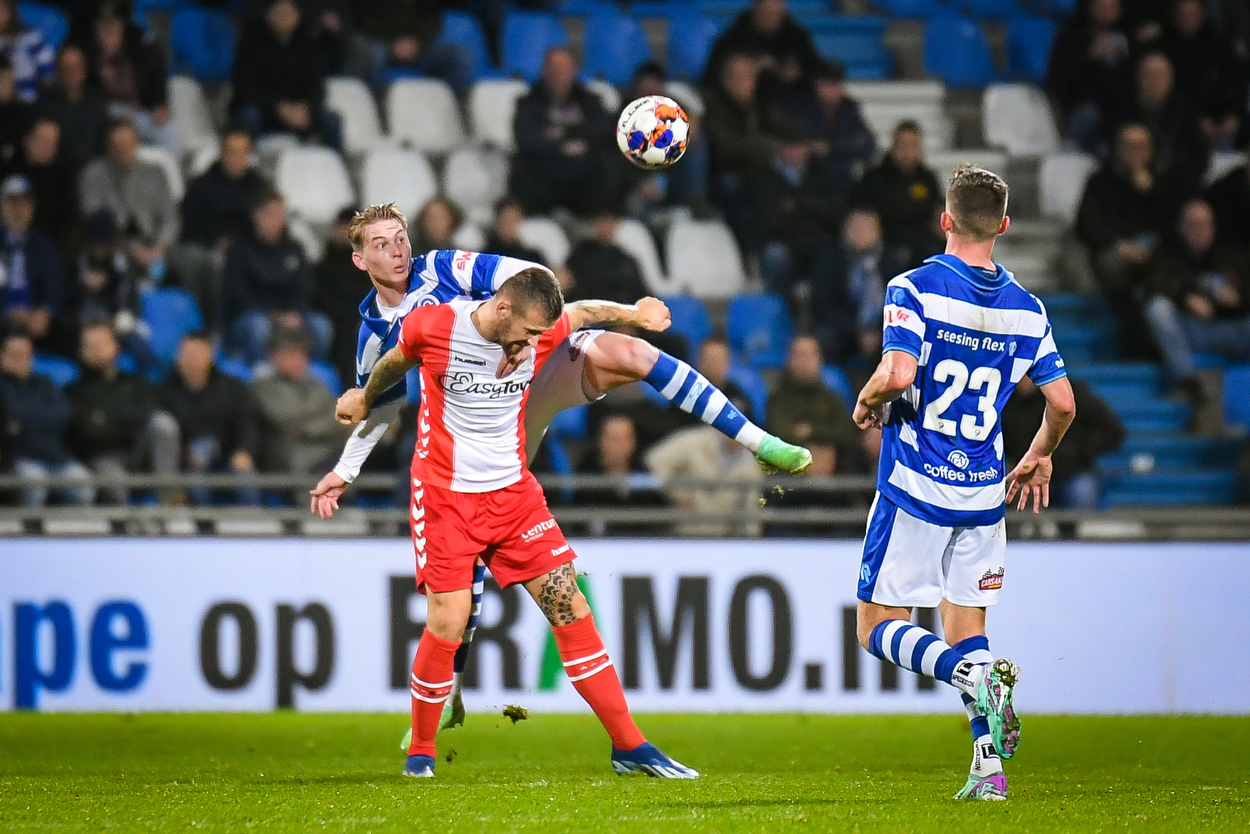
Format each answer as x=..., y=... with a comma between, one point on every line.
x=354, y=405
x=893, y=376
x=649, y=314
x=1032, y=474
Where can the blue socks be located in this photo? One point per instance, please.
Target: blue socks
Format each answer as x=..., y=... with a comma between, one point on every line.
x=690, y=391
x=919, y=650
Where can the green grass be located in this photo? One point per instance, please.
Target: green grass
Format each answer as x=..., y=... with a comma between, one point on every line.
x=300, y=773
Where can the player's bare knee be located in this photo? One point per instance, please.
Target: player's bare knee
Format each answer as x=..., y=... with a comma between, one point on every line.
x=448, y=614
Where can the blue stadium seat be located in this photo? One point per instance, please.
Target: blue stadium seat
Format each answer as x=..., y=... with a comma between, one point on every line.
x=992, y=9
x=526, y=38
x=201, y=44
x=58, y=369
x=687, y=55
x=759, y=329
x=957, y=51
x=463, y=28
x=755, y=387
x=864, y=54
x=170, y=314
x=614, y=46
x=234, y=367
x=923, y=9
x=324, y=372
x=51, y=22
x=587, y=8
x=161, y=5
x=835, y=380
x=561, y=464
x=571, y=422
x=1029, y=41
x=1237, y=395
x=691, y=320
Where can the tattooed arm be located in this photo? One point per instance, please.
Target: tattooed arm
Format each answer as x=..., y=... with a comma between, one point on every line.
x=649, y=314
x=354, y=405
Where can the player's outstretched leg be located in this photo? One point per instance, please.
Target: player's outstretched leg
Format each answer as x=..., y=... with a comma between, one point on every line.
x=986, y=779
x=430, y=685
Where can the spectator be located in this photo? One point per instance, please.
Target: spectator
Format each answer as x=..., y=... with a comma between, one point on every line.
x=54, y=180
x=137, y=194
x=268, y=281
x=1208, y=73
x=802, y=405
x=77, y=106
x=780, y=48
x=847, y=305
x=1229, y=198
x=1090, y=72
x=715, y=362
x=729, y=472
x=215, y=416
x=563, y=138
x=32, y=274
x=298, y=433
x=118, y=426
x=279, y=77
x=842, y=139
x=907, y=198
x=15, y=116
x=504, y=237
x=1125, y=210
x=1200, y=301
x=616, y=453
x=340, y=288
x=599, y=268
x=737, y=142
x=1076, y=483
x=404, y=38
x=1181, y=151
x=436, y=224
x=36, y=416
x=216, y=212
x=26, y=50
x=128, y=67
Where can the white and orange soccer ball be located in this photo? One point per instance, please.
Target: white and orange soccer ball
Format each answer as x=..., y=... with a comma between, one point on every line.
x=652, y=132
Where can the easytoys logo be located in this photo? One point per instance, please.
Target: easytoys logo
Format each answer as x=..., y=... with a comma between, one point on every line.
x=465, y=383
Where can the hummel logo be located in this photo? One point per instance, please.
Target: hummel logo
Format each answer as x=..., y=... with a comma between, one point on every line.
x=479, y=362
x=558, y=550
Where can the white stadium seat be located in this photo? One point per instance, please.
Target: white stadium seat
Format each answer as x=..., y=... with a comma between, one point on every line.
x=1221, y=163
x=492, y=104
x=475, y=178
x=703, y=259
x=352, y=100
x=943, y=162
x=314, y=182
x=422, y=113
x=400, y=176
x=157, y=155
x=608, y=95
x=546, y=236
x=634, y=238
x=202, y=159
x=685, y=95
x=1017, y=117
x=883, y=116
x=1061, y=180
x=313, y=244
x=469, y=237
x=191, y=114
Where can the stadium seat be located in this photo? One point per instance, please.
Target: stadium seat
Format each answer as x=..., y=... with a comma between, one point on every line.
x=190, y=111
x=615, y=46
x=351, y=99
x=491, y=108
x=201, y=44
x=608, y=95
x=1222, y=162
x=884, y=115
x=469, y=237
x=234, y=367
x=635, y=238
x=587, y=8
x=1029, y=40
x=691, y=320
x=923, y=9
x=759, y=329
x=687, y=54
x=476, y=178
x=754, y=385
x=1237, y=396
x=314, y=182
x=571, y=422
x=1017, y=117
x=422, y=113
x=957, y=51
x=463, y=28
x=324, y=372
x=399, y=175
x=703, y=259
x=836, y=380
x=168, y=163
x=858, y=43
x=170, y=314
x=51, y=22
x=60, y=370
x=1061, y=180
x=991, y=9
x=162, y=5
x=687, y=96
x=202, y=158
x=546, y=236
x=313, y=244
x=525, y=40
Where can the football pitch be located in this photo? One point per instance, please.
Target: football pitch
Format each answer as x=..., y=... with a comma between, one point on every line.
x=291, y=772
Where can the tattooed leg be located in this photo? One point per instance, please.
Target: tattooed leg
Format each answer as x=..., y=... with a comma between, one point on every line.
x=558, y=596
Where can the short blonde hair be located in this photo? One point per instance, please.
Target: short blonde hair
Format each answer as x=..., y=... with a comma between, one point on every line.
x=356, y=229
x=977, y=202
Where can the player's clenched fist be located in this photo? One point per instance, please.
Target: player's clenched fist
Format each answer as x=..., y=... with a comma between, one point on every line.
x=351, y=407
x=653, y=314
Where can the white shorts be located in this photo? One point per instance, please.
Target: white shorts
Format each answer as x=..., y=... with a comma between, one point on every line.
x=558, y=386
x=909, y=563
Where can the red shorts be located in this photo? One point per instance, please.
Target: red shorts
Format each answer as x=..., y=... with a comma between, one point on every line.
x=511, y=529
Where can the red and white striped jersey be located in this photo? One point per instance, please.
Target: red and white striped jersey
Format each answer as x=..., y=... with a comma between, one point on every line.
x=471, y=426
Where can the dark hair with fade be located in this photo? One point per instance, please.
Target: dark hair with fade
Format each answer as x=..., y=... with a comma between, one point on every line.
x=977, y=202
x=535, y=288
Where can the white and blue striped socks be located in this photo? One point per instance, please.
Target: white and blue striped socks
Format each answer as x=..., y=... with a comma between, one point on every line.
x=690, y=391
x=985, y=759
x=921, y=651
x=462, y=653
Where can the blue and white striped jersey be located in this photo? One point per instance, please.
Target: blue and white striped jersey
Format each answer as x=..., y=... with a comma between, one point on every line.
x=974, y=337
x=437, y=277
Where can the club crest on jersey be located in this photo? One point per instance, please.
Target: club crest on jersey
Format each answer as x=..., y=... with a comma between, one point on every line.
x=991, y=580
x=957, y=459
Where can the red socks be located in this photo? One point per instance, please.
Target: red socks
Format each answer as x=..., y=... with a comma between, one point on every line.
x=430, y=685
x=590, y=669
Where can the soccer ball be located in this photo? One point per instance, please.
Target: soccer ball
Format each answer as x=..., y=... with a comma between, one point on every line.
x=652, y=132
